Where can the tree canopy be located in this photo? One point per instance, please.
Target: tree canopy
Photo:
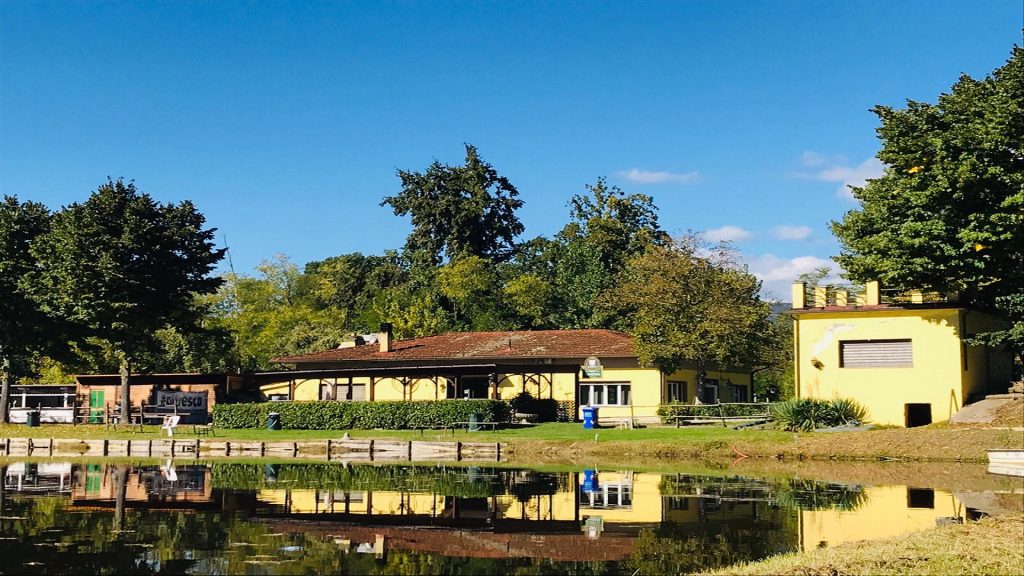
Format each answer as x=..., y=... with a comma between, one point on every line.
x=23, y=327
x=467, y=210
x=687, y=302
x=948, y=213
x=123, y=266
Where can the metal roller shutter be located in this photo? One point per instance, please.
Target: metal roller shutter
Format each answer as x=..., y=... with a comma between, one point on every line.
x=876, y=354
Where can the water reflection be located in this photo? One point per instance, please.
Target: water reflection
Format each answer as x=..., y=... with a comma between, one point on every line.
x=287, y=518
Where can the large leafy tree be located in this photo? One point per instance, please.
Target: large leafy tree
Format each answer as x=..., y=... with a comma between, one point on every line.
x=23, y=328
x=123, y=267
x=948, y=213
x=458, y=211
x=606, y=228
x=276, y=313
x=687, y=302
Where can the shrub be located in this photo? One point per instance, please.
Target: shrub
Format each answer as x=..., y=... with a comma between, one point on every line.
x=667, y=411
x=386, y=415
x=848, y=411
x=806, y=414
x=546, y=409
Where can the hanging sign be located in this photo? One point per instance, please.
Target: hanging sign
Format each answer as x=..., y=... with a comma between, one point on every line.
x=592, y=367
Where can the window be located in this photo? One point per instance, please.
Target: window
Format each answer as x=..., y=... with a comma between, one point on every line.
x=605, y=394
x=675, y=391
x=876, y=354
x=343, y=392
x=279, y=398
x=739, y=392
x=710, y=391
x=608, y=496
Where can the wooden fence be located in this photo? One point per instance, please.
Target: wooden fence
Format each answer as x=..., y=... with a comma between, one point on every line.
x=343, y=449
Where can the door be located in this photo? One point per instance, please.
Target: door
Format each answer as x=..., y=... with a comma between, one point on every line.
x=96, y=407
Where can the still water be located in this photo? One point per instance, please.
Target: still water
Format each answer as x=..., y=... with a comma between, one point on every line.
x=224, y=518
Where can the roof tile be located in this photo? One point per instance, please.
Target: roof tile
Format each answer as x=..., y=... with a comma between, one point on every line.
x=485, y=345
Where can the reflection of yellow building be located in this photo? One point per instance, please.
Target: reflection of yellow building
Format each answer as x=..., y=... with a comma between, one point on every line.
x=906, y=360
x=545, y=363
x=886, y=511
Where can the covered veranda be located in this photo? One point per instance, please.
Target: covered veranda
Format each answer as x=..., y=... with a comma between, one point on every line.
x=448, y=381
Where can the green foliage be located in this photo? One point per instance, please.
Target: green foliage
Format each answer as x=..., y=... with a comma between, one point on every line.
x=667, y=411
x=444, y=481
x=948, y=213
x=546, y=409
x=691, y=303
x=24, y=329
x=807, y=414
x=387, y=415
x=458, y=211
x=121, y=266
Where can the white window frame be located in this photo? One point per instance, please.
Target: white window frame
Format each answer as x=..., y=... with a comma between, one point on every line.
x=676, y=391
x=628, y=385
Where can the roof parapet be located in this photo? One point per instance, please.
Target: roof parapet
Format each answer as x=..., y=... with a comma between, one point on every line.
x=805, y=296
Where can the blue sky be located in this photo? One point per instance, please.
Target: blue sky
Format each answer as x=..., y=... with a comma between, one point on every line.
x=285, y=122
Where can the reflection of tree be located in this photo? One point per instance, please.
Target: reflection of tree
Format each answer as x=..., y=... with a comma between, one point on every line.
x=794, y=493
x=814, y=495
x=446, y=481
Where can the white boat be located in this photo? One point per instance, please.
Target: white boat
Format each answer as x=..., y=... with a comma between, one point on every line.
x=1009, y=462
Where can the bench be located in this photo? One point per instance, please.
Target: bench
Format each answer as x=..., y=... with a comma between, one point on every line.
x=455, y=425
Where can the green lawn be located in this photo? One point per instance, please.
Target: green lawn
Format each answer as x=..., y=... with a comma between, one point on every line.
x=551, y=431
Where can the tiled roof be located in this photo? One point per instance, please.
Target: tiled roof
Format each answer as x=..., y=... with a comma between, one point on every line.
x=485, y=346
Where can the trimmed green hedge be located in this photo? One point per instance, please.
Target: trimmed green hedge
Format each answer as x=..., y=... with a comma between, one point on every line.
x=332, y=415
x=666, y=411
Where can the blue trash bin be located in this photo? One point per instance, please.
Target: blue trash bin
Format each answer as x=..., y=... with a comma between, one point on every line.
x=590, y=416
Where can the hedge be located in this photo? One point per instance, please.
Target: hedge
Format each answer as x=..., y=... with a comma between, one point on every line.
x=387, y=415
x=667, y=411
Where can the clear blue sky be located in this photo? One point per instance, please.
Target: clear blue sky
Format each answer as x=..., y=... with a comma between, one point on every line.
x=285, y=122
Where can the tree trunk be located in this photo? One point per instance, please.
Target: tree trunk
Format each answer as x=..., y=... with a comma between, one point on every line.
x=5, y=389
x=126, y=394
x=120, y=473
x=698, y=393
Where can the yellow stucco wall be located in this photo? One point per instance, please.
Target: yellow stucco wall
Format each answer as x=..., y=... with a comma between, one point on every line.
x=647, y=387
x=884, y=513
x=934, y=379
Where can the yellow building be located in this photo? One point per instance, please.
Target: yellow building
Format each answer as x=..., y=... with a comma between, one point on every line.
x=903, y=357
x=587, y=367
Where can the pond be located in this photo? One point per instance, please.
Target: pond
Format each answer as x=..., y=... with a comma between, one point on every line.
x=287, y=518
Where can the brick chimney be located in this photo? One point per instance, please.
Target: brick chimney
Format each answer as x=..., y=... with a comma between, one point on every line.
x=384, y=337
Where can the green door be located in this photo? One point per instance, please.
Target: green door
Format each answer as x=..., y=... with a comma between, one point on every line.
x=96, y=406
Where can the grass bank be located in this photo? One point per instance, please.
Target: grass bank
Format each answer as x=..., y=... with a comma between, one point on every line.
x=990, y=546
x=572, y=444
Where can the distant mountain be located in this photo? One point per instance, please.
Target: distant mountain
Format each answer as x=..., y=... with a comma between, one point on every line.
x=780, y=307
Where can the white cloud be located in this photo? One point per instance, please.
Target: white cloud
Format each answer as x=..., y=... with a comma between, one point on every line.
x=777, y=274
x=647, y=177
x=783, y=232
x=728, y=234
x=836, y=169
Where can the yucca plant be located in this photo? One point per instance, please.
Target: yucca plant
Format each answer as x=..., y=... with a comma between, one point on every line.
x=806, y=414
x=848, y=411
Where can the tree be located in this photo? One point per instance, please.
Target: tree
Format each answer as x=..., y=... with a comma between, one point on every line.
x=687, y=302
x=22, y=325
x=607, y=227
x=467, y=210
x=124, y=266
x=948, y=213
x=275, y=313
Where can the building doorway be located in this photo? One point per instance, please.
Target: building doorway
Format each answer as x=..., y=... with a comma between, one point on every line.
x=917, y=414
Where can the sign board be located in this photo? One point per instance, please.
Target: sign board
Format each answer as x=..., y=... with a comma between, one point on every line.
x=592, y=367
x=191, y=405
